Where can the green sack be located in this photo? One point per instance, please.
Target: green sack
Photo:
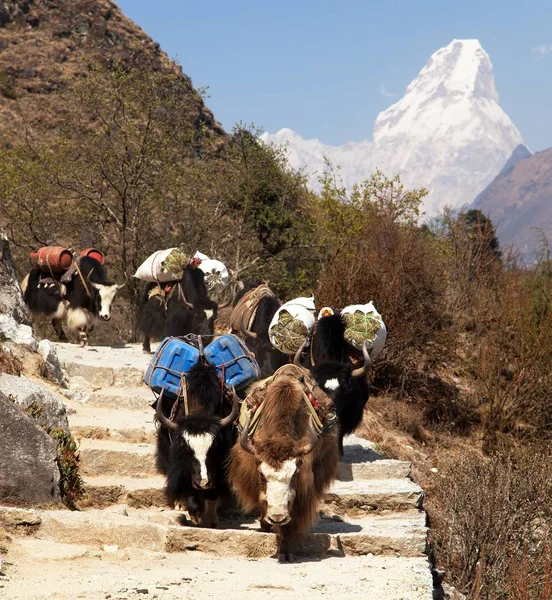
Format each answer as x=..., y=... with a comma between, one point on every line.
x=288, y=334
x=176, y=262
x=361, y=327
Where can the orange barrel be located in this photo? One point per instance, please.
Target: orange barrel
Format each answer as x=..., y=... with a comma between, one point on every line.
x=94, y=253
x=55, y=258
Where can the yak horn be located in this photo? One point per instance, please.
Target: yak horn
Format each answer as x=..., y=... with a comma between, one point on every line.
x=182, y=297
x=226, y=304
x=367, y=363
x=245, y=442
x=311, y=444
x=234, y=413
x=162, y=418
x=244, y=329
x=297, y=357
x=120, y=286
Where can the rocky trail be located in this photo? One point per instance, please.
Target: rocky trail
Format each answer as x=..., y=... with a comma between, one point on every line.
x=369, y=543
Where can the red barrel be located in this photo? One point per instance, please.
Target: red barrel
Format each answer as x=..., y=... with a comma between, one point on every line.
x=94, y=253
x=55, y=258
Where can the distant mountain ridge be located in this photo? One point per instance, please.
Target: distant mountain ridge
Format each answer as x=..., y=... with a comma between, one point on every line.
x=448, y=133
x=519, y=200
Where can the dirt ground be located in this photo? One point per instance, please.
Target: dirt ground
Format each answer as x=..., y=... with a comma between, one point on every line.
x=42, y=570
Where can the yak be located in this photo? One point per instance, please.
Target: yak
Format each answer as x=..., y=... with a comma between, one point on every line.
x=256, y=333
x=284, y=467
x=177, y=308
x=336, y=375
x=193, y=449
x=74, y=305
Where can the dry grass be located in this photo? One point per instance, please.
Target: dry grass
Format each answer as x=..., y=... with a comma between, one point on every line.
x=9, y=364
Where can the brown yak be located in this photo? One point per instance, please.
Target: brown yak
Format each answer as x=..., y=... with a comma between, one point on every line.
x=285, y=466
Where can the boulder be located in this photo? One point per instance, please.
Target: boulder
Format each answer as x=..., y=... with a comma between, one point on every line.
x=29, y=473
x=11, y=300
x=15, y=333
x=46, y=407
x=51, y=367
x=12, y=331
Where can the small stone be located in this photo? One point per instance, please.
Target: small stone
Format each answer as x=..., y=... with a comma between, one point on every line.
x=434, y=470
x=109, y=548
x=142, y=591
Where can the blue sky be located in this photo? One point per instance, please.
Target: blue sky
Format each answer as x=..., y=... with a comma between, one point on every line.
x=326, y=68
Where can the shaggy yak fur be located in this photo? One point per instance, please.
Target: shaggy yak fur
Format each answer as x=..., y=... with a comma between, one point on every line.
x=176, y=457
x=335, y=374
x=269, y=358
x=160, y=319
x=71, y=305
x=284, y=436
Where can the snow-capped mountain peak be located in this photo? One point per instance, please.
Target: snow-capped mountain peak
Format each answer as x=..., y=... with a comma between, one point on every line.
x=447, y=133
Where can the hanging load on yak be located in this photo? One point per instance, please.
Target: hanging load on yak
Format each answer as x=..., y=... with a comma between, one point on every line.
x=73, y=291
x=163, y=266
x=364, y=326
x=216, y=274
x=292, y=325
x=176, y=356
x=51, y=258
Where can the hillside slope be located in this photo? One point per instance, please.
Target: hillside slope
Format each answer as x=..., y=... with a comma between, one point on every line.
x=44, y=44
x=520, y=200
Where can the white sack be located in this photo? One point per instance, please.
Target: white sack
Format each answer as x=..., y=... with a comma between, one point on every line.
x=151, y=270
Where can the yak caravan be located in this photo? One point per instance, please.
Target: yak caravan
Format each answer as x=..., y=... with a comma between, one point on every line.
x=256, y=410
x=291, y=423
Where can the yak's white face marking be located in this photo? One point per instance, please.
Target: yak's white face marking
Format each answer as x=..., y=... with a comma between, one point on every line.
x=332, y=384
x=107, y=295
x=279, y=493
x=208, y=313
x=200, y=445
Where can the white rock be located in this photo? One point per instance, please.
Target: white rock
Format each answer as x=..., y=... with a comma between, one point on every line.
x=11, y=331
x=51, y=361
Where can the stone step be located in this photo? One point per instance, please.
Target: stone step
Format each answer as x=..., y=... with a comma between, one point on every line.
x=104, y=449
x=403, y=534
x=121, y=424
x=94, y=365
x=78, y=571
x=137, y=492
x=374, y=494
x=109, y=457
x=137, y=398
x=344, y=497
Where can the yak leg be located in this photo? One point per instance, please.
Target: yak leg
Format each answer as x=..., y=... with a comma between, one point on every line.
x=284, y=544
x=83, y=338
x=194, y=509
x=340, y=443
x=146, y=348
x=56, y=324
x=210, y=517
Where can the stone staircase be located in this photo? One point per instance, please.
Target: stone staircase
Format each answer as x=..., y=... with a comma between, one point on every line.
x=371, y=515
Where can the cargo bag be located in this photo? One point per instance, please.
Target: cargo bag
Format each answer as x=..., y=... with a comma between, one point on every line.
x=169, y=365
x=364, y=325
x=292, y=324
x=235, y=363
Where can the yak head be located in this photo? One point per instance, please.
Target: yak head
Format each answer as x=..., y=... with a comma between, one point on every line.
x=281, y=450
x=105, y=294
x=197, y=436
